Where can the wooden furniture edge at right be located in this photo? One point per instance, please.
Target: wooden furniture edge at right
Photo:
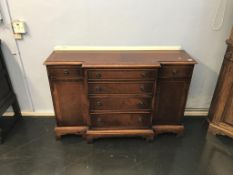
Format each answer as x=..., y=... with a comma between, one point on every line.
x=221, y=111
x=217, y=130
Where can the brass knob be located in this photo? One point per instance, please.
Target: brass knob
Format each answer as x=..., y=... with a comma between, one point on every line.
x=98, y=89
x=99, y=120
x=66, y=72
x=98, y=103
x=174, y=71
x=98, y=75
x=141, y=103
x=142, y=87
x=140, y=119
x=143, y=74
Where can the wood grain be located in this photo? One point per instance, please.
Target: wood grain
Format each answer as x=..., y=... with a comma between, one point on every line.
x=119, y=59
x=119, y=93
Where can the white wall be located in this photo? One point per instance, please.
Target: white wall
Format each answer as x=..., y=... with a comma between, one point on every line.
x=120, y=23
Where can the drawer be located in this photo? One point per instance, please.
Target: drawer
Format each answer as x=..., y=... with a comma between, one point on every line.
x=65, y=72
x=120, y=87
x=176, y=71
x=121, y=121
x=122, y=74
x=125, y=103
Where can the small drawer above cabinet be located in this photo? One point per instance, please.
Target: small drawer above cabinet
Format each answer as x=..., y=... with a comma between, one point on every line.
x=120, y=87
x=64, y=72
x=121, y=121
x=175, y=71
x=122, y=74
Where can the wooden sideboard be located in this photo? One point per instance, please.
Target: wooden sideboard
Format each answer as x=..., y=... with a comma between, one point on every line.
x=119, y=93
x=221, y=108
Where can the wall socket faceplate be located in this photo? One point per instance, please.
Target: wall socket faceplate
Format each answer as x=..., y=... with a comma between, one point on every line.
x=19, y=27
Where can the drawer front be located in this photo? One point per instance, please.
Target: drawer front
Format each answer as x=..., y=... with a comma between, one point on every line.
x=64, y=72
x=120, y=88
x=176, y=71
x=120, y=103
x=104, y=74
x=117, y=121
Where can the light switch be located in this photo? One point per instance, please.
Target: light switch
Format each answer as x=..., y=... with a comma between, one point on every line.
x=18, y=27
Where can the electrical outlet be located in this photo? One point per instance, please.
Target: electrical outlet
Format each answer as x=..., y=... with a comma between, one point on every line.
x=19, y=27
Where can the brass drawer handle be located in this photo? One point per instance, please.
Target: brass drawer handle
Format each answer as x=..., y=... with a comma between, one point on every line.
x=66, y=72
x=98, y=75
x=142, y=87
x=98, y=89
x=174, y=71
x=140, y=119
x=99, y=103
x=99, y=120
x=143, y=74
x=141, y=103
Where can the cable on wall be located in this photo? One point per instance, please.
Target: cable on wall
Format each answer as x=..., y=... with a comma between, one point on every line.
x=219, y=15
x=21, y=61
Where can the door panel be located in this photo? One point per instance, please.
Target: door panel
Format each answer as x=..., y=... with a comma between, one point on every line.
x=170, y=101
x=69, y=102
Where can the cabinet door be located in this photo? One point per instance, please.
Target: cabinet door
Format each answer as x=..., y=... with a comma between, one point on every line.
x=170, y=101
x=69, y=102
x=228, y=112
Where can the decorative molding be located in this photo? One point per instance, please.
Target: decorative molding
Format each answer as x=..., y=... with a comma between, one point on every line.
x=196, y=112
x=96, y=48
x=32, y=114
x=188, y=112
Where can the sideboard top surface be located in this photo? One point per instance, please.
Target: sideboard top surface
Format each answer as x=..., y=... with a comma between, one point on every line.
x=95, y=59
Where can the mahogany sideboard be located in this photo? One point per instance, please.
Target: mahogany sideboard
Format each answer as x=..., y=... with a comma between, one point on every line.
x=119, y=93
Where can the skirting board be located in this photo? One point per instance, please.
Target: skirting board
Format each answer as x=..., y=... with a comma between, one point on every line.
x=188, y=112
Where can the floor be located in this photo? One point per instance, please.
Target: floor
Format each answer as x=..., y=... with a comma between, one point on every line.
x=31, y=149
